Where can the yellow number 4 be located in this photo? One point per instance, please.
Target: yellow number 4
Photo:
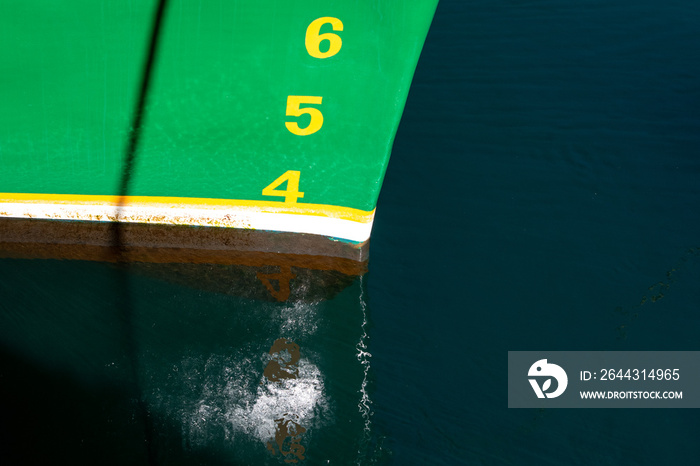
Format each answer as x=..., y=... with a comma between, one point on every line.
x=291, y=194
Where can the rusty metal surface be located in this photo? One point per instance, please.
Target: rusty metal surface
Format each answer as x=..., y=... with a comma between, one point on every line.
x=148, y=241
x=256, y=264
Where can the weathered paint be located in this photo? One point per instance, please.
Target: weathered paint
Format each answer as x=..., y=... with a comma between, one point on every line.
x=332, y=221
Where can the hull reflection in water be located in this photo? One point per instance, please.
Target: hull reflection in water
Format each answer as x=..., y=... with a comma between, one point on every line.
x=174, y=349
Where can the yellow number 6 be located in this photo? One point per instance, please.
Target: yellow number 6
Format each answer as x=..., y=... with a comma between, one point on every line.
x=314, y=37
x=293, y=109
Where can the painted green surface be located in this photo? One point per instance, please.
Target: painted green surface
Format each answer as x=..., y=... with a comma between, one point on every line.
x=69, y=77
x=215, y=119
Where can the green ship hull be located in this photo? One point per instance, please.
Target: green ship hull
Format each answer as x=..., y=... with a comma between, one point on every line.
x=265, y=116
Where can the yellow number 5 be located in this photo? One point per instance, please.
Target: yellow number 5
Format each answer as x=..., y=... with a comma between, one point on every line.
x=314, y=37
x=294, y=109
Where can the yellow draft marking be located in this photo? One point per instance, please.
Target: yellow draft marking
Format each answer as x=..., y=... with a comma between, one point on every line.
x=291, y=194
x=314, y=37
x=294, y=109
x=320, y=210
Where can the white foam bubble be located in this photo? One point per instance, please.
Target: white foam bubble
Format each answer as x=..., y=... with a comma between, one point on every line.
x=301, y=398
x=223, y=397
x=299, y=320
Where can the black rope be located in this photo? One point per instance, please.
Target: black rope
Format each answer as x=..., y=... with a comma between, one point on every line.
x=124, y=300
x=136, y=123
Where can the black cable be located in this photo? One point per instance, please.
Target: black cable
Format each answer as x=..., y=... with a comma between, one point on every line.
x=135, y=133
x=124, y=300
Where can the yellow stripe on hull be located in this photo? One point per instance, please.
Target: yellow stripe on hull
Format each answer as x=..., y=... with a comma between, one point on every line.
x=333, y=221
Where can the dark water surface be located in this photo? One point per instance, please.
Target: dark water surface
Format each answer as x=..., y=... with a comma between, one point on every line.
x=544, y=181
x=543, y=194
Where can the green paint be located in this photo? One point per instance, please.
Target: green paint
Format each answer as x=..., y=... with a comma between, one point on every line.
x=68, y=83
x=214, y=124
